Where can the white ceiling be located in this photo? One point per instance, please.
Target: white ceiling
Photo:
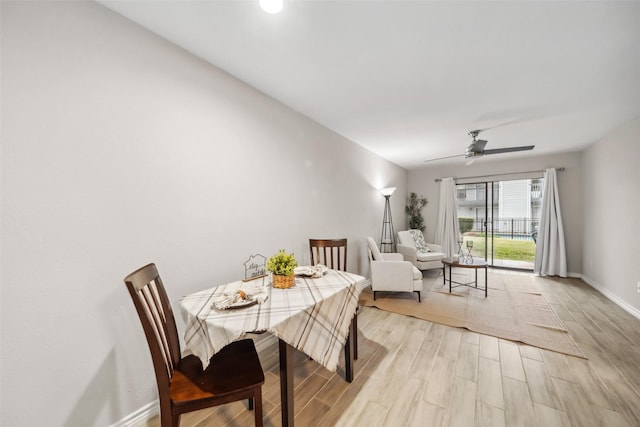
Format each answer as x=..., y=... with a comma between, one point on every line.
x=409, y=79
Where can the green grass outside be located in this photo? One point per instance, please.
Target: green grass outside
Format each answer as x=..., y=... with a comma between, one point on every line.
x=518, y=250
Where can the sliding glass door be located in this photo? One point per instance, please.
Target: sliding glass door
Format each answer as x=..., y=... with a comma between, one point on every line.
x=499, y=220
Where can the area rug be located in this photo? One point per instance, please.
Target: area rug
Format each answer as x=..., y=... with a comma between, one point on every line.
x=514, y=309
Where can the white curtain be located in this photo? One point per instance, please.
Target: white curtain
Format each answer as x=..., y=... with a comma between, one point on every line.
x=448, y=230
x=551, y=257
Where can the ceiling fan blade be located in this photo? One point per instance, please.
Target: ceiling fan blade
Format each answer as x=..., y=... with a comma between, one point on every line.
x=508, y=149
x=442, y=158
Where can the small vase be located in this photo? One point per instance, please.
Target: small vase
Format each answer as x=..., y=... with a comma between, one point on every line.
x=283, y=282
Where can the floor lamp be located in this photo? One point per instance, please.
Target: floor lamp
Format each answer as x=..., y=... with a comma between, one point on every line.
x=387, y=239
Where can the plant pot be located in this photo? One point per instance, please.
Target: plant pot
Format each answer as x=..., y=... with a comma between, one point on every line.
x=283, y=282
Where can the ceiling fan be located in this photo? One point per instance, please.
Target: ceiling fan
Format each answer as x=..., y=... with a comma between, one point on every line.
x=476, y=148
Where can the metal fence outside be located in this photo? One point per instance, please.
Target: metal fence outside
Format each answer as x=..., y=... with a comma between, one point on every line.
x=509, y=228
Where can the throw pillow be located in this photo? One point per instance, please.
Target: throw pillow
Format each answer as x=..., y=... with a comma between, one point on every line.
x=418, y=241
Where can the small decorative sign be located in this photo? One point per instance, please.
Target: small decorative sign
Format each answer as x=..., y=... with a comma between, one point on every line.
x=254, y=267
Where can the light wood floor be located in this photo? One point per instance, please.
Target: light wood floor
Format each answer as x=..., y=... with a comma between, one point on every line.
x=412, y=372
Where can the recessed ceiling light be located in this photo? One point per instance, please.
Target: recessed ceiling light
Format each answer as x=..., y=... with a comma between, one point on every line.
x=271, y=6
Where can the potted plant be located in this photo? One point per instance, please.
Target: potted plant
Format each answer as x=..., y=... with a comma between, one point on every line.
x=282, y=265
x=414, y=211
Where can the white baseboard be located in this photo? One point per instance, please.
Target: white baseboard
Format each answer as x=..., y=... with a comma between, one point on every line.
x=613, y=297
x=140, y=416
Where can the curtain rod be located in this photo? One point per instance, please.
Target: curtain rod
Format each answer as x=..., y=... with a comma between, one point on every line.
x=562, y=169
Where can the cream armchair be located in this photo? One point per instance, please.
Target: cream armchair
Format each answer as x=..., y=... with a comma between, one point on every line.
x=427, y=257
x=390, y=272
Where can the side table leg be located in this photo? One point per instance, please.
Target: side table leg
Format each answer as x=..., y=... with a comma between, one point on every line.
x=486, y=285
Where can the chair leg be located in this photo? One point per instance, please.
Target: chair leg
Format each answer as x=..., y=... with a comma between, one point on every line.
x=167, y=419
x=374, y=295
x=257, y=399
x=250, y=402
x=418, y=292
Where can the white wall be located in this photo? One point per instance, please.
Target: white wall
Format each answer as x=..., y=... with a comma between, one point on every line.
x=120, y=149
x=612, y=215
x=422, y=181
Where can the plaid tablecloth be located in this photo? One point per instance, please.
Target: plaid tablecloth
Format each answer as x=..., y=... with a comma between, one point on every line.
x=313, y=316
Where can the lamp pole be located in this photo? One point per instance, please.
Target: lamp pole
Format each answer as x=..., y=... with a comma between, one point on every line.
x=387, y=239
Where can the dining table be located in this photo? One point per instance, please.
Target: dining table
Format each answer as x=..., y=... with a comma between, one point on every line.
x=316, y=316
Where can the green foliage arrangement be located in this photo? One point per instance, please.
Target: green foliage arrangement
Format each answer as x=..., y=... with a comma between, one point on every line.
x=465, y=223
x=282, y=263
x=414, y=211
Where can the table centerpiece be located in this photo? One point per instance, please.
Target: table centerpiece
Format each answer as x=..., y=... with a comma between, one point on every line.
x=282, y=266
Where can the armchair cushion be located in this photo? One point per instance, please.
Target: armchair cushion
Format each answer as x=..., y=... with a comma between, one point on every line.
x=417, y=275
x=429, y=256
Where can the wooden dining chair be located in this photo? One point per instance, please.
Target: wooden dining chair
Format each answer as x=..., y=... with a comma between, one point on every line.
x=333, y=254
x=234, y=373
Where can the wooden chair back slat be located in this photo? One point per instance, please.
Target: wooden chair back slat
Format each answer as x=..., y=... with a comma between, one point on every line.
x=329, y=252
x=157, y=319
